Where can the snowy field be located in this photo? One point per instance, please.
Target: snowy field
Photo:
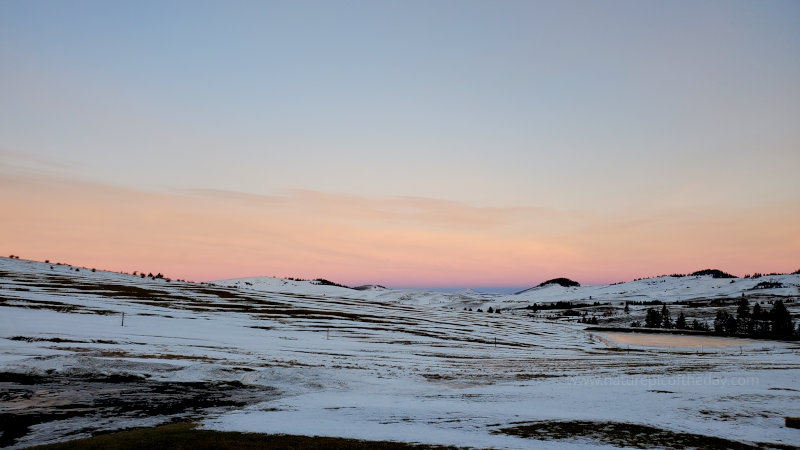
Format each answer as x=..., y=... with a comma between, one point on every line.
x=382, y=364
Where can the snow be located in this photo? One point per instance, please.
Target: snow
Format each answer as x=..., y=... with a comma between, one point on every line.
x=665, y=288
x=399, y=365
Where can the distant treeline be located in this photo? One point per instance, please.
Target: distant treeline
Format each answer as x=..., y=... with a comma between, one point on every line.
x=756, y=322
x=562, y=305
x=320, y=281
x=768, y=285
x=715, y=273
x=644, y=302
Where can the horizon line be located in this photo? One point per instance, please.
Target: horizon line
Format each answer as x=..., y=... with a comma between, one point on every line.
x=443, y=288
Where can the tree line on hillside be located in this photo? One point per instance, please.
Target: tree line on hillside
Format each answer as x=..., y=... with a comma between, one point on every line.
x=324, y=282
x=756, y=322
x=715, y=273
x=643, y=302
x=562, y=305
x=771, y=274
x=490, y=310
x=662, y=318
x=319, y=281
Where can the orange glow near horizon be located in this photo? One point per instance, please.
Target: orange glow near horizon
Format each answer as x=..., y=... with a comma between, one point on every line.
x=497, y=145
x=209, y=235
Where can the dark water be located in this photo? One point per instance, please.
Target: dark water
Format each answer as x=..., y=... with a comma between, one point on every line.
x=44, y=409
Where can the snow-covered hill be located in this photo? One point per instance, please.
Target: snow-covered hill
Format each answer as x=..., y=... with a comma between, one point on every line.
x=374, y=293
x=299, y=358
x=666, y=289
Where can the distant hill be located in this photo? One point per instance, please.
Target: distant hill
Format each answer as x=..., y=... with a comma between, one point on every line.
x=370, y=287
x=566, y=282
x=715, y=273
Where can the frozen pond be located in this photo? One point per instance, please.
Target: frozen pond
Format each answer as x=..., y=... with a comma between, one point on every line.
x=676, y=340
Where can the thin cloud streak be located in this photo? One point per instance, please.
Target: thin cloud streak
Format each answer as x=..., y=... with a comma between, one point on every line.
x=398, y=241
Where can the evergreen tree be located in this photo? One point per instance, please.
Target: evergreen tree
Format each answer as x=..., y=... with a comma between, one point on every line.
x=756, y=323
x=652, y=319
x=720, y=320
x=782, y=325
x=627, y=308
x=743, y=318
x=742, y=309
x=731, y=325
x=757, y=312
x=666, y=321
x=681, y=322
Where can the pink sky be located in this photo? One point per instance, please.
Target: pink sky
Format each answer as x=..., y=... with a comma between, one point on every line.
x=447, y=143
x=396, y=241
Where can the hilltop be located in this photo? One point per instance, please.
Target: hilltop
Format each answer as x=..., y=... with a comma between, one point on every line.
x=667, y=288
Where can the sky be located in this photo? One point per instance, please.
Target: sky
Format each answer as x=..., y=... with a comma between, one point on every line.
x=403, y=143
